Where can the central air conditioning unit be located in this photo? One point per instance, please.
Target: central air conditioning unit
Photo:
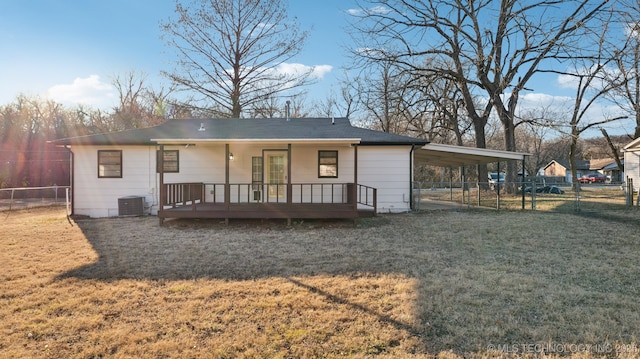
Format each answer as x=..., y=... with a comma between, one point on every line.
x=131, y=206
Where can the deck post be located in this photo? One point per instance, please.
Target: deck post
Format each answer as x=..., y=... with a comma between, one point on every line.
x=289, y=187
x=355, y=178
x=161, y=187
x=227, y=186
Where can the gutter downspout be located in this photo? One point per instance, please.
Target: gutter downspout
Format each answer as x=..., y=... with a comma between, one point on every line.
x=72, y=174
x=411, y=204
x=161, y=185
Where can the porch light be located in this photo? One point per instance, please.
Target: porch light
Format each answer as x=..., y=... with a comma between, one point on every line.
x=231, y=156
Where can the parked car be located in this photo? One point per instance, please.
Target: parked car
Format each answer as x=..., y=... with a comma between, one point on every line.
x=546, y=189
x=495, y=179
x=592, y=178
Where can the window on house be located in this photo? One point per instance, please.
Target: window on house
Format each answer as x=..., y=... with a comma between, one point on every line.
x=256, y=172
x=327, y=164
x=109, y=164
x=170, y=160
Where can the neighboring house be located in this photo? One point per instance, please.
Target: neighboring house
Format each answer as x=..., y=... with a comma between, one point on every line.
x=615, y=173
x=632, y=163
x=242, y=168
x=607, y=167
x=561, y=170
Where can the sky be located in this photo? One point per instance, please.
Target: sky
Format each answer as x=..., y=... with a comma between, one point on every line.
x=70, y=50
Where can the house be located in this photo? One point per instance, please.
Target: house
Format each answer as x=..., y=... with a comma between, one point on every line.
x=614, y=172
x=607, y=167
x=632, y=163
x=242, y=168
x=560, y=170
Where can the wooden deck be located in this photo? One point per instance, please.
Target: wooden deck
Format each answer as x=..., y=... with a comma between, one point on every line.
x=331, y=201
x=262, y=210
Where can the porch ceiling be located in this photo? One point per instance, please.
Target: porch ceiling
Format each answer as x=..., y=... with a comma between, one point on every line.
x=434, y=154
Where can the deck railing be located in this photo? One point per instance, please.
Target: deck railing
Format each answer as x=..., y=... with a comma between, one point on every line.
x=182, y=194
x=368, y=196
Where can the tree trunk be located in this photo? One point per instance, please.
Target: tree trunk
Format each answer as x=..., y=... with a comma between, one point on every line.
x=613, y=148
x=572, y=161
x=511, y=175
x=481, y=142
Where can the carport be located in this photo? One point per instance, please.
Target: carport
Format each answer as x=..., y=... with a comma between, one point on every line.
x=434, y=154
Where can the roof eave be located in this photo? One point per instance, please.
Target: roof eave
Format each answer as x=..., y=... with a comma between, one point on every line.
x=255, y=140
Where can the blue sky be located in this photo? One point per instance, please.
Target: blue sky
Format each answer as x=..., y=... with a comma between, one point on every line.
x=69, y=50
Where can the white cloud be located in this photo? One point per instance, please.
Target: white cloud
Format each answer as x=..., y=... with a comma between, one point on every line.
x=87, y=91
x=317, y=71
x=572, y=82
x=375, y=10
x=320, y=70
x=539, y=99
x=567, y=81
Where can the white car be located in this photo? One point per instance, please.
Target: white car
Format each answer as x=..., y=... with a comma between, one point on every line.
x=494, y=178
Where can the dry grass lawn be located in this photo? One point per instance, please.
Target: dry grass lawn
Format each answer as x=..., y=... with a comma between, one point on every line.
x=436, y=284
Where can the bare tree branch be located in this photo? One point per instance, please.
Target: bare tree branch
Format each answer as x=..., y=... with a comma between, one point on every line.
x=228, y=52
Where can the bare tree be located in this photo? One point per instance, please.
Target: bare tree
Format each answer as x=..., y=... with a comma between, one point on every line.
x=381, y=98
x=26, y=159
x=496, y=46
x=345, y=103
x=130, y=87
x=594, y=81
x=628, y=63
x=446, y=120
x=531, y=138
x=229, y=52
x=139, y=105
x=338, y=105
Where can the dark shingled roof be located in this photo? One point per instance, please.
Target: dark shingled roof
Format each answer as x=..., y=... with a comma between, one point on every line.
x=249, y=129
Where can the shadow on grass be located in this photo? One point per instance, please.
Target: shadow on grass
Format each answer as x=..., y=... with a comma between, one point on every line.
x=137, y=248
x=484, y=277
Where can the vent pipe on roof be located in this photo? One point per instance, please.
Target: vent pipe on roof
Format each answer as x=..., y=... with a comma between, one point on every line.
x=201, y=127
x=288, y=110
x=333, y=120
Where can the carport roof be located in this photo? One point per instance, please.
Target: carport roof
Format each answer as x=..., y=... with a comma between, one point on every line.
x=435, y=154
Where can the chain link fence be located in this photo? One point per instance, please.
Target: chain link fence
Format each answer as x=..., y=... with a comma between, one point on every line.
x=530, y=195
x=31, y=197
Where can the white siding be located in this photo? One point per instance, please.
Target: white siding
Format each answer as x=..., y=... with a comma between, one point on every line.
x=383, y=167
x=387, y=168
x=632, y=167
x=98, y=197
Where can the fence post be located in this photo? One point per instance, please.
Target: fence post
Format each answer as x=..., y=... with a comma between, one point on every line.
x=628, y=192
x=66, y=204
x=533, y=195
x=11, y=201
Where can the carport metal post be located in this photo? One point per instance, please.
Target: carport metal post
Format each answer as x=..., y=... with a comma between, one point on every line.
x=451, y=184
x=498, y=188
x=522, y=183
x=478, y=183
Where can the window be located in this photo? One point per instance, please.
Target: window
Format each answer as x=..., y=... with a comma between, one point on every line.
x=171, y=161
x=256, y=172
x=327, y=164
x=110, y=164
